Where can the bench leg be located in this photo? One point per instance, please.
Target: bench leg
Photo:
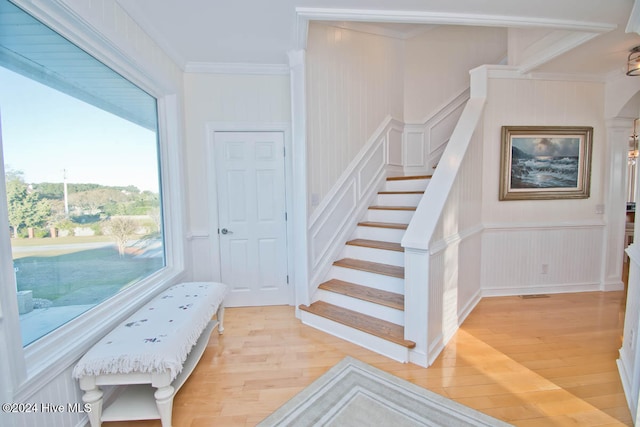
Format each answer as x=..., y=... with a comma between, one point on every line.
x=164, y=402
x=220, y=319
x=94, y=398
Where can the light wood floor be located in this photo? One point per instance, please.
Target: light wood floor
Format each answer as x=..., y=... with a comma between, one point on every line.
x=531, y=362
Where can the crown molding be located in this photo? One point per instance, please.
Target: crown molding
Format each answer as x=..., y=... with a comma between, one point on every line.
x=236, y=68
x=633, y=25
x=420, y=17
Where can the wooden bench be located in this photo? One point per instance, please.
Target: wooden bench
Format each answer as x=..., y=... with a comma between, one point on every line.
x=157, y=347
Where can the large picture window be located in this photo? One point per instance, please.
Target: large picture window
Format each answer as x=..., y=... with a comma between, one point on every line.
x=81, y=168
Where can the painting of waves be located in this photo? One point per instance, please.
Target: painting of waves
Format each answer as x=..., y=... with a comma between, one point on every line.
x=545, y=163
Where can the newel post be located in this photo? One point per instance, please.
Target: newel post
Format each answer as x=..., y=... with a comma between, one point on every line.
x=416, y=303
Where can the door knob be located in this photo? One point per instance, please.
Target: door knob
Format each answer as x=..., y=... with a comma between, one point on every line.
x=225, y=231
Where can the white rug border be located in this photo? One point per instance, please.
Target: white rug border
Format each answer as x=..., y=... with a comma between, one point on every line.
x=296, y=405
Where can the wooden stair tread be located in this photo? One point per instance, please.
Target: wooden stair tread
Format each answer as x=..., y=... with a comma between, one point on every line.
x=402, y=178
x=393, y=208
x=380, y=328
x=376, y=296
x=376, y=244
x=394, y=225
x=371, y=267
x=402, y=192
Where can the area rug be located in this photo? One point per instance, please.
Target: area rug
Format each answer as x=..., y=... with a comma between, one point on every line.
x=353, y=394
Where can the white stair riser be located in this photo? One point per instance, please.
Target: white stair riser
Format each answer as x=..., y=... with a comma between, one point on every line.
x=365, y=307
x=365, y=278
x=386, y=215
x=377, y=233
x=407, y=185
x=398, y=199
x=374, y=255
x=373, y=343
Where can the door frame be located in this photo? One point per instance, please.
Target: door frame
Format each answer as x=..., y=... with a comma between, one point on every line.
x=212, y=189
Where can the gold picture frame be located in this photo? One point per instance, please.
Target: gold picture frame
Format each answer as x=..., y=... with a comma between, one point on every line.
x=545, y=162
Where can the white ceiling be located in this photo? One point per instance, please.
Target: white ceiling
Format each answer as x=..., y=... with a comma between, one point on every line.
x=262, y=32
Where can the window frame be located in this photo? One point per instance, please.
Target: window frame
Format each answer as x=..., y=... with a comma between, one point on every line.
x=34, y=366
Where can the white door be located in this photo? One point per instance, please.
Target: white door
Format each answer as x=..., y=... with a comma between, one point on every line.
x=251, y=217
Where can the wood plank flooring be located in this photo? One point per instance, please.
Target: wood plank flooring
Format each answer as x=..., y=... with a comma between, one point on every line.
x=530, y=362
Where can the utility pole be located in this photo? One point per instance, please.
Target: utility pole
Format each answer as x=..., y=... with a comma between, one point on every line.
x=66, y=196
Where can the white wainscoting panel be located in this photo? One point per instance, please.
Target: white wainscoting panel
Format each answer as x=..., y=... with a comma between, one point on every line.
x=414, y=147
x=541, y=258
x=394, y=148
x=63, y=391
x=334, y=220
x=425, y=142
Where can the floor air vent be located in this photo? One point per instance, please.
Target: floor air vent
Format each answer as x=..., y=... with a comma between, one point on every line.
x=534, y=296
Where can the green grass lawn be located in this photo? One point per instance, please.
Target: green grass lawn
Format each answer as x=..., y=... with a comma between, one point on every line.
x=73, y=276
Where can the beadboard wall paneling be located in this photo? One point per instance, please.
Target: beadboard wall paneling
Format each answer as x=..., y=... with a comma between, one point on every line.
x=542, y=258
x=565, y=235
x=454, y=290
x=454, y=264
x=354, y=80
x=220, y=98
x=542, y=103
x=464, y=203
x=108, y=18
x=430, y=76
x=64, y=391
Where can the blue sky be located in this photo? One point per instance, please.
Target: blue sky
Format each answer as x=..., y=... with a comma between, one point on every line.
x=45, y=132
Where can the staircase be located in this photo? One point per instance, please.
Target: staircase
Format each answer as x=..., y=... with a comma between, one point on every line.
x=363, y=299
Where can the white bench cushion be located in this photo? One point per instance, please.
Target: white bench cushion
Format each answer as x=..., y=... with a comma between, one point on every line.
x=157, y=337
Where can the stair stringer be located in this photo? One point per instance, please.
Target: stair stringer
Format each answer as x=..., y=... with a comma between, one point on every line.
x=375, y=281
x=335, y=219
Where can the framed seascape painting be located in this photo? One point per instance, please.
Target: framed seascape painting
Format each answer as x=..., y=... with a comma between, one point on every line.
x=545, y=162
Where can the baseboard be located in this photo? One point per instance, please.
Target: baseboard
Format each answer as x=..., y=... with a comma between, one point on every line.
x=615, y=285
x=626, y=386
x=489, y=291
x=469, y=306
x=435, y=348
x=419, y=358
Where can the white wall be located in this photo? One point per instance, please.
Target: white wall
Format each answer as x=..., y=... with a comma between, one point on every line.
x=564, y=235
x=437, y=64
x=213, y=100
x=354, y=80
